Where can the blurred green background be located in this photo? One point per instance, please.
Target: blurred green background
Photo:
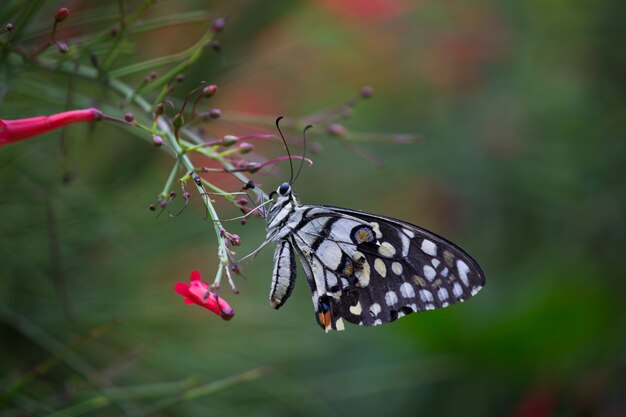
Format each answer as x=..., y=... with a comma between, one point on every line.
x=522, y=108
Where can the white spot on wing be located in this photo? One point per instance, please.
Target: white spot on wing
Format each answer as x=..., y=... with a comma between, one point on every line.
x=378, y=322
x=376, y=228
x=357, y=309
x=331, y=279
x=397, y=268
x=330, y=253
x=386, y=249
x=426, y=295
x=379, y=266
x=442, y=294
x=375, y=309
x=429, y=272
x=363, y=272
x=409, y=233
x=475, y=290
x=339, y=324
x=429, y=247
x=406, y=244
x=391, y=298
x=457, y=290
x=444, y=273
x=435, y=262
x=407, y=291
x=463, y=270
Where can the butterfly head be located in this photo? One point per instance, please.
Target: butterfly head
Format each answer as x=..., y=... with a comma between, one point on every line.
x=284, y=193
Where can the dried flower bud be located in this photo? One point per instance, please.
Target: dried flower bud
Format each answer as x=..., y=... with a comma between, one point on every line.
x=129, y=117
x=159, y=109
x=152, y=75
x=250, y=185
x=113, y=31
x=151, y=207
x=62, y=47
x=180, y=78
x=9, y=27
x=172, y=194
x=186, y=196
x=336, y=129
x=218, y=25
x=209, y=90
x=215, y=113
x=61, y=14
x=367, y=91
x=157, y=140
x=234, y=239
x=163, y=203
x=242, y=202
x=229, y=140
x=245, y=147
x=196, y=179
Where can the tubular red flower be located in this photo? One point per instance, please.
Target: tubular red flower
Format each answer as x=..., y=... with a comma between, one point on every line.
x=197, y=292
x=20, y=129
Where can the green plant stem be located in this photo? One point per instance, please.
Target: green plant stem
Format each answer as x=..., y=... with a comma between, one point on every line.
x=170, y=180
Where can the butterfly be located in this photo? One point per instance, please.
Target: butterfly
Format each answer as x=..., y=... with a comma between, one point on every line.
x=363, y=268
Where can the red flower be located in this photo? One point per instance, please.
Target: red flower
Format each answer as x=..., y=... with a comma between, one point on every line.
x=16, y=130
x=197, y=292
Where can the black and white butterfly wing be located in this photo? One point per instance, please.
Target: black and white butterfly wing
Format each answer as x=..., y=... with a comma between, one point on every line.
x=369, y=269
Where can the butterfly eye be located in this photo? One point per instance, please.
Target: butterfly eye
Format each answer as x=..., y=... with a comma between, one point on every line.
x=284, y=189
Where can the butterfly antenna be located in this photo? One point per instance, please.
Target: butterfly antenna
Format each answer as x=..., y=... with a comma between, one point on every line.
x=286, y=147
x=303, y=152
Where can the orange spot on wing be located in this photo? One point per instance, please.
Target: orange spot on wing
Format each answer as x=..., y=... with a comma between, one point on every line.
x=325, y=318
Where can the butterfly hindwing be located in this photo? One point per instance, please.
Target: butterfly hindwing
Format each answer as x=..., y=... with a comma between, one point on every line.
x=370, y=269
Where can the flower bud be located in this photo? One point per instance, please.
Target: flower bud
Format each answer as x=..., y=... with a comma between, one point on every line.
x=159, y=109
x=62, y=47
x=367, y=91
x=250, y=185
x=151, y=207
x=209, y=90
x=180, y=78
x=61, y=14
x=172, y=194
x=129, y=117
x=157, y=140
x=218, y=25
x=215, y=113
x=336, y=129
x=242, y=202
x=9, y=27
x=229, y=140
x=246, y=147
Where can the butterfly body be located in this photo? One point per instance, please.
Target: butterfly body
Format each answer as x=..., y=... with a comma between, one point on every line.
x=363, y=268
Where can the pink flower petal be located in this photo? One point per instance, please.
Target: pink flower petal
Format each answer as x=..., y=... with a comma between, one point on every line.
x=195, y=276
x=182, y=288
x=189, y=301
